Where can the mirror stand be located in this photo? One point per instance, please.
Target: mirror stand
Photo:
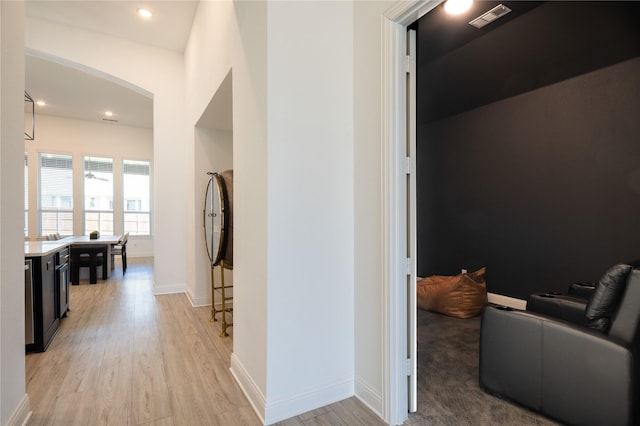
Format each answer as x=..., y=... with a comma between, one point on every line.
x=226, y=299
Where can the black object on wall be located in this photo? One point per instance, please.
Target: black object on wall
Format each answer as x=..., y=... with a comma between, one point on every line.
x=542, y=183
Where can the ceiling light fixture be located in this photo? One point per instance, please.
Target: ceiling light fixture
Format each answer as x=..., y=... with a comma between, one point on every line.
x=456, y=7
x=108, y=113
x=145, y=13
x=488, y=17
x=41, y=103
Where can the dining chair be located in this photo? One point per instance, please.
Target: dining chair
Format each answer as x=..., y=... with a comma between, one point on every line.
x=120, y=249
x=89, y=256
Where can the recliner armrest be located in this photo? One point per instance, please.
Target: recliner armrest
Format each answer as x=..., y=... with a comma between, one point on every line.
x=582, y=290
x=563, y=307
x=510, y=356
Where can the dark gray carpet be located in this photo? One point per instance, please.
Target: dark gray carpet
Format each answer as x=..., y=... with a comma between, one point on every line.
x=448, y=390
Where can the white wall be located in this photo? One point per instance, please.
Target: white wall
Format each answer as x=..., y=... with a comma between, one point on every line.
x=232, y=36
x=160, y=73
x=293, y=261
x=14, y=402
x=324, y=283
x=311, y=223
x=81, y=138
x=368, y=202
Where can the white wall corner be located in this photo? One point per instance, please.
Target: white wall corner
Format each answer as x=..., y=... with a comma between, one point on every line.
x=22, y=413
x=197, y=302
x=249, y=387
x=369, y=396
x=293, y=405
x=168, y=289
x=512, y=302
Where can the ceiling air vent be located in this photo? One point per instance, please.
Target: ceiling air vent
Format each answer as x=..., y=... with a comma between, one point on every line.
x=110, y=120
x=490, y=16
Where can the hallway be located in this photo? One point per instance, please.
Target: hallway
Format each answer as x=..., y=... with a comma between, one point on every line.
x=125, y=357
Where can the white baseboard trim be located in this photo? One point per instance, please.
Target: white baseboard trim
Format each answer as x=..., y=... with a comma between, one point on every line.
x=188, y=294
x=168, y=289
x=369, y=397
x=273, y=412
x=140, y=255
x=511, y=302
x=194, y=302
x=201, y=301
x=248, y=386
x=315, y=398
x=198, y=302
x=21, y=414
x=204, y=301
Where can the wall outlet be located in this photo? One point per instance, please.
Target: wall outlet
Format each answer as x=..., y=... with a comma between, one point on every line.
x=464, y=271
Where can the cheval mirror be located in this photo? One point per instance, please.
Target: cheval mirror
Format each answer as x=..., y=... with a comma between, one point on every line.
x=218, y=233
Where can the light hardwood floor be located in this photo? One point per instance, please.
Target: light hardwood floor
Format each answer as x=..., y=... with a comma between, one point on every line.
x=124, y=357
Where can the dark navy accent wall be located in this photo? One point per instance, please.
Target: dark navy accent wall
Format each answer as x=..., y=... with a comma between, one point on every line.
x=528, y=146
x=542, y=188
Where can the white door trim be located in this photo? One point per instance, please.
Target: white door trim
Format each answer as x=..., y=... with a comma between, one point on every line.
x=394, y=214
x=412, y=234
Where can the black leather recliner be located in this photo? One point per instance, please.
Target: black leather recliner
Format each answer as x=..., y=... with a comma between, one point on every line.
x=570, y=307
x=580, y=373
x=567, y=307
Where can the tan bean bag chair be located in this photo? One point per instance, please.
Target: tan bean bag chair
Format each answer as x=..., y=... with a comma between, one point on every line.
x=461, y=296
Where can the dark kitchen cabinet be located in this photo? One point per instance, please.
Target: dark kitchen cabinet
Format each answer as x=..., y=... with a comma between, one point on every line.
x=62, y=281
x=46, y=303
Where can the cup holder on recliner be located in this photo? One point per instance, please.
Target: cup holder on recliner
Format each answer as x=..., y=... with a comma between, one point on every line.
x=504, y=308
x=551, y=295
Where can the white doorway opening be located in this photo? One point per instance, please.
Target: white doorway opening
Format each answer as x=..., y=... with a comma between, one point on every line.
x=398, y=398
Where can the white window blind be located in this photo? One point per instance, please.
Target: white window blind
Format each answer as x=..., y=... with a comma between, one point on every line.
x=137, y=197
x=55, y=204
x=98, y=195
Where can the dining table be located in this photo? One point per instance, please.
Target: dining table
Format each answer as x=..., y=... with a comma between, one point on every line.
x=108, y=241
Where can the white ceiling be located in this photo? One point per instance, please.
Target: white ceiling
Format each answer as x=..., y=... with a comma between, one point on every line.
x=73, y=93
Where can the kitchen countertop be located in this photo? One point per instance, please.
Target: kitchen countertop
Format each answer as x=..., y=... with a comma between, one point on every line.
x=35, y=248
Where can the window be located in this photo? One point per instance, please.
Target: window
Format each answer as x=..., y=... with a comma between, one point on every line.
x=55, y=211
x=98, y=195
x=26, y=195
x=137, y=199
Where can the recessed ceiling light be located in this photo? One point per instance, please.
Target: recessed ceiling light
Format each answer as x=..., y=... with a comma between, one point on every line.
x=456, y=7
x=145, y=13
x=108, y=113
x=41, y=103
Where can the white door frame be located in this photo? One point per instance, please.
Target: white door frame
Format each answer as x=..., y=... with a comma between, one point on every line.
x=394, y=211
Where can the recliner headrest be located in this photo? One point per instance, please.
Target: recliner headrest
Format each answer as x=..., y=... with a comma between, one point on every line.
x=606, y=297
x=625, y=324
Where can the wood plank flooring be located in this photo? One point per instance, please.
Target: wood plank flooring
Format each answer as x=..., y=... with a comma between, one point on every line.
x=124, y=357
